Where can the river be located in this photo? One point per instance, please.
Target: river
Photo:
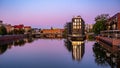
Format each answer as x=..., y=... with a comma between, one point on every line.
x=50, y=53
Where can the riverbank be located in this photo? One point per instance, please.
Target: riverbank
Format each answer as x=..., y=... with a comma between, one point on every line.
x=111, y=44
x=11, y=37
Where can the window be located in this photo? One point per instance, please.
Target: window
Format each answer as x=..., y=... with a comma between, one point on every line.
x=73, y=23
x=77, y=27
x=74, y=27
x=80, y=20
x=116, y=19
x=77, y=23
x=80, y=23
x=75, y=20
x=108, y=27
x=114, y=26
x=80, y=27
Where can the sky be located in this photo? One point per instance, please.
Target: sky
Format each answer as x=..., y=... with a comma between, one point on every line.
x=54, y=13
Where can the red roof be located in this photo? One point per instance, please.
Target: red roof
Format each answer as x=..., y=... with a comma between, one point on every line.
x=18, y=26
x=27, y=26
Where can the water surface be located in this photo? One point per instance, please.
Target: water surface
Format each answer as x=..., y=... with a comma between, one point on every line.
x=49, y=53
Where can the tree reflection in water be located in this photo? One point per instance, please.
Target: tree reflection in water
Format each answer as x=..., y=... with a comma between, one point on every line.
x=20, y=42
x=3, y=48
x=105, y=58
x=8, y=44
x=77, y=49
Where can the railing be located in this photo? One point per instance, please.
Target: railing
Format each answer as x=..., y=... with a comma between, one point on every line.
x=110, y=33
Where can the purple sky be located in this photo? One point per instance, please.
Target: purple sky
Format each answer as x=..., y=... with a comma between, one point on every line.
x=55, y=13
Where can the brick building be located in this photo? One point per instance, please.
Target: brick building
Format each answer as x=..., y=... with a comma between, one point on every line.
x=27, y=28
x=113, y=27
x=52, y=33
x=113, y=22
x=8, y=27
x=18, y=27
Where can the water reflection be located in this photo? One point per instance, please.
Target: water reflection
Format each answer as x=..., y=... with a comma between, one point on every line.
x=104, y=57
x=76, y=47
x=3, y=48
x=8, y=44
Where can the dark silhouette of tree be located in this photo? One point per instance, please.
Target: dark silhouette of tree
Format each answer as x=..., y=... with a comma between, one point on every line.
x=3, y=30
x=3, y=48
x=100, y=23
x=16, y=31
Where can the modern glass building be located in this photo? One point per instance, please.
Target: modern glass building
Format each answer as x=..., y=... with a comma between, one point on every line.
x=78, y=26
x=76, y=29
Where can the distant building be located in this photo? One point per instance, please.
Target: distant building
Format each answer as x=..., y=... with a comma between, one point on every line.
x=88, y=28
x=27, y=29
x=52, y=33
x=36, y=31
x=68, y=28
x=15, y=29
x=8, y=27
x=18, y=27
x=21, y=29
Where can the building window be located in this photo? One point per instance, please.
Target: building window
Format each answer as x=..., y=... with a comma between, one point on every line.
x=73, y=23
x=108, y=27
x=80, y=20
x=80, y=27
x=80, y=23
x=74, y=27
x=116, y=19
x=77, y=27
x=114, y=26
x=75, y=20
x=77, y=23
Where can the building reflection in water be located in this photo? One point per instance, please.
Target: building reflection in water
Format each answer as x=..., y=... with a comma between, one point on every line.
x=9, y=44
x=77, y=48
x=104, y=57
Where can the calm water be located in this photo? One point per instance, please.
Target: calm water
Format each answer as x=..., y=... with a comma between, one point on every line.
x=49, y=53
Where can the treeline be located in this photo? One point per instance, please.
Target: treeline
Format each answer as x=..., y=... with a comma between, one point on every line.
x=3, y=31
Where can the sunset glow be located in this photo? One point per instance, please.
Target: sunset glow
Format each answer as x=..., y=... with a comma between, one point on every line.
x=47, y=13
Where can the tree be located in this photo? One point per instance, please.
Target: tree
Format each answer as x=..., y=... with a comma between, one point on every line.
x=21, y=31
x=100, y=23
x=3, y=30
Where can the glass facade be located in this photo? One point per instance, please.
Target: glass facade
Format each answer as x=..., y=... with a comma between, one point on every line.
x=78, y=26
